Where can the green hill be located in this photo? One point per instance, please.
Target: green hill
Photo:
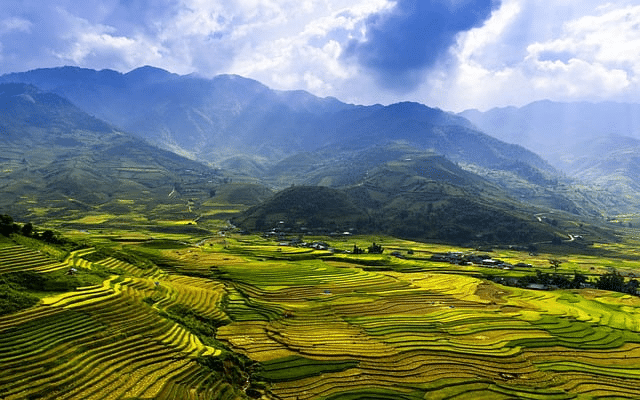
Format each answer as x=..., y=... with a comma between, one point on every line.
x=424, y=197
x=303, y=208
x=56, y=157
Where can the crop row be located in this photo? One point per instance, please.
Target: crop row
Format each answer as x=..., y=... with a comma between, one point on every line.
x=201, y=295
x=130, y=269
x=304, y=274
x=99, y=343
x=19, y=258
x=393, y=335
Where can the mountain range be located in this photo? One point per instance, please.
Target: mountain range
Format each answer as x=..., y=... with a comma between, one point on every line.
x=409, y=169
x=593, y=142
x=543, y=126
x=227, y=116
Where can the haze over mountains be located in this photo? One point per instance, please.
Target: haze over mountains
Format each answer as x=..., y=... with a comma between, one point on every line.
x=597, y=143
x=213, y=119
x=543, y=125
x=400, y=165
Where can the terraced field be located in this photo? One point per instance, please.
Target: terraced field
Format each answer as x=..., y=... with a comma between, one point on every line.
x=326, y=330
x=313, y=325
x=103, y=342
x=19, y=258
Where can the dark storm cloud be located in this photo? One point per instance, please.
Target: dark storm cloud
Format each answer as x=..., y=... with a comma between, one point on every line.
x=412, y=37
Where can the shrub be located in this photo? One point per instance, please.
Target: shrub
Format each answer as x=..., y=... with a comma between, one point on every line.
x=12, y=299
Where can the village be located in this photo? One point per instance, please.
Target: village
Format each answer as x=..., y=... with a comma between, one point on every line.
x=483, y=260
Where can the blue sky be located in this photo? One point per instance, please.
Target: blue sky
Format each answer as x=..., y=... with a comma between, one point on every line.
x=453, y=54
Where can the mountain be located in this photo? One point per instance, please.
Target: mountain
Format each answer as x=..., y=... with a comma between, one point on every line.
x=423, y=197
x=285, y=137
x=54, y=156
x=551, y=128
x=205, y=118
x=230, y=116
x=595, y=143
x=611, y=161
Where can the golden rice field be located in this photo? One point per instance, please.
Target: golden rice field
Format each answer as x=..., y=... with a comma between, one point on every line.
x=19, y=258
x=317, y=326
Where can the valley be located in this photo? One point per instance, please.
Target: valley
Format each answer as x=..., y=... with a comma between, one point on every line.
x=176, y=237
x=140, y=313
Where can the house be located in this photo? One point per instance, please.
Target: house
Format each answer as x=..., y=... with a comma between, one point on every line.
x=440, y=258
x=319, y=246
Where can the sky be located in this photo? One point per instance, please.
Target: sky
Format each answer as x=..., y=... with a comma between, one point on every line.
x=451, y=54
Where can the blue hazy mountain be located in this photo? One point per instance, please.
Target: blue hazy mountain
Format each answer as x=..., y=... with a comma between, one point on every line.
x=597, y=143
x=553, y=128
x=227, y=116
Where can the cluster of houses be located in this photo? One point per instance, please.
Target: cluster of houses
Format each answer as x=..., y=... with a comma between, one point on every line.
x=296, y=242
x=282, y=231
x=483, y=260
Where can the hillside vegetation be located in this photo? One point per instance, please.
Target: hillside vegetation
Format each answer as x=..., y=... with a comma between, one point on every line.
x=57, y=158
x=420, y=196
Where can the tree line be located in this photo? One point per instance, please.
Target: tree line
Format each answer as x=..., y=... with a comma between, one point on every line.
x=612, y=281
x=9, y=227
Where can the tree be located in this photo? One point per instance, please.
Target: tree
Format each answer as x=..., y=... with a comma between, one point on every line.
x=611, y=281
x=6, y=219
x=632, y=286
x=27, y=229
x=48, y=236
x=7, y=226
x=578, y=280
x=555, y=263
x=375, y=249
x=357, y=250
x=543, y=277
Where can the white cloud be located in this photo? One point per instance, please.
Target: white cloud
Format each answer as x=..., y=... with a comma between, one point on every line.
x=202, y=21
x=478, y=39
x=527, y=50
x=15, y=24
x=100, y=46
x=94, y=48
x=577, y=54
x=578, y=79
x=309, y=57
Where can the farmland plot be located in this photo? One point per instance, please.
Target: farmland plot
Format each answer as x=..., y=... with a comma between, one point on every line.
x=315, y=326
x=323, y=330
x=103, y=342
x=19, y=258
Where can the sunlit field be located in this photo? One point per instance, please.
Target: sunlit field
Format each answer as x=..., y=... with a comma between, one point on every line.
x=233, y=316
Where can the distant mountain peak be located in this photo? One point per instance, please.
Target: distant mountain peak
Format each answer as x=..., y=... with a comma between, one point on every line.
x=149, y=74
x=213, y=118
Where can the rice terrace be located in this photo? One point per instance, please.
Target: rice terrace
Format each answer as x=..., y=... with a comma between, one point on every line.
x=113, y=314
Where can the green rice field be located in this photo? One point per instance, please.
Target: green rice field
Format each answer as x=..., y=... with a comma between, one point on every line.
x=233, y=316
